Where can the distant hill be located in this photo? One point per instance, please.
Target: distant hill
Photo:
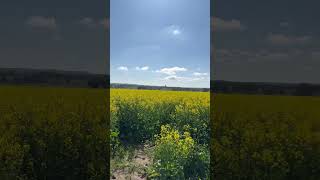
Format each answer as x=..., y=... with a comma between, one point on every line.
x=51, y=77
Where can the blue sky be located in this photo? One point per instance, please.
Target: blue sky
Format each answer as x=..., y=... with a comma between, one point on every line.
x=168, y=40
x=160, y=42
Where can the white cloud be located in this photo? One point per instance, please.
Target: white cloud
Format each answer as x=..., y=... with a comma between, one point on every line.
x=173, y=77
x=171, y=71
x=174, y=30
x=280, y=39
x=87, y=21
x=42, y=22
x=219, y=24
x=200, y=74
x=123, y=68
x=183, y=79
x=144, y=68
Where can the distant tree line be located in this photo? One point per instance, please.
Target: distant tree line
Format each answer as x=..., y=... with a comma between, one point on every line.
x=301, y=89
x=85, y=79
x=52, y=77
x=145, y=87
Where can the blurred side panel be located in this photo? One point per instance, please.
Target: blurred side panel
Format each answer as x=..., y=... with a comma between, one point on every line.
x=54, y=89
x=265, y=89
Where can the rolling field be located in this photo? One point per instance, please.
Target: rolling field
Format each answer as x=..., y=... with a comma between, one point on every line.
x=52, y=133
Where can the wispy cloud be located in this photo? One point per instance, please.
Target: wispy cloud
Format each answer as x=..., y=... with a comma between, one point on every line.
x=183, y=79
x=174, y=30
x=88, y=22
x=281, y=39
x=92, y=23
x=144, y=68
x=42, y=22
x=173, y=77
x=172, y=70
x=219, y=24
x=200, y=74
x=122, y=68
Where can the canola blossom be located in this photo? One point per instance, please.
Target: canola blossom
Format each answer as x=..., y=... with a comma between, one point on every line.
x=174, y=123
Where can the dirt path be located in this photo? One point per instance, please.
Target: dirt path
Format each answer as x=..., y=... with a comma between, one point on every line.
x=136, y=169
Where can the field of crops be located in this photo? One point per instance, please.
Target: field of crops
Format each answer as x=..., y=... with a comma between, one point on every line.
x=265, y=137
x=64, y=133
x=53, y=133
x=160, y=134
